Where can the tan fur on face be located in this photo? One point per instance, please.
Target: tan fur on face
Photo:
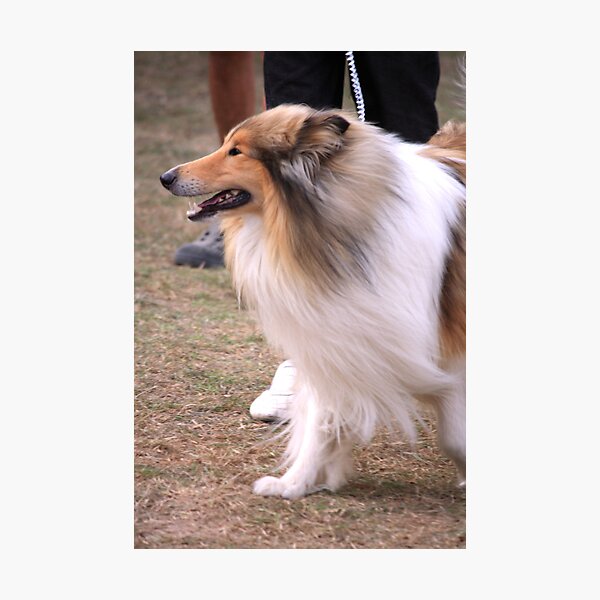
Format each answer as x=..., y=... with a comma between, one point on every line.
x=448, y=147
x=220, y=171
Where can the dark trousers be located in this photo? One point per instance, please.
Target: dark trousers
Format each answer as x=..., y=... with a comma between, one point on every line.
x=398, y=88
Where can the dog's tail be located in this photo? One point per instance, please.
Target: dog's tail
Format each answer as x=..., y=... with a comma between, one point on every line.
x=462, y=79
x=449, y=145
x=459, y=92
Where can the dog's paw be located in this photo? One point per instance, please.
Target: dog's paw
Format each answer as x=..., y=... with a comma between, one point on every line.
x=275, y=486
x=268, y=486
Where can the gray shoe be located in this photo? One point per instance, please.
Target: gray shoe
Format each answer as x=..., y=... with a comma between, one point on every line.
x=205, y=252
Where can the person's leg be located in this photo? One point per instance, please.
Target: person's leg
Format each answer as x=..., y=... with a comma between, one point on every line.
x=231, y=82
x=399, y=91
x=313, y=78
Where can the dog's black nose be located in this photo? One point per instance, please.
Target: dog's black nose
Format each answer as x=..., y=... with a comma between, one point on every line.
x=168, y=178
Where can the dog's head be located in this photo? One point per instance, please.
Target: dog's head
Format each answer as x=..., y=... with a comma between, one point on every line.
x=285, y=147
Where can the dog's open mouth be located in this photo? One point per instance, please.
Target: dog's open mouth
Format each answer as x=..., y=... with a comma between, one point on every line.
x=222, y=201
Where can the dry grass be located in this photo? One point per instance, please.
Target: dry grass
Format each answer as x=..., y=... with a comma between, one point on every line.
x=200, y=362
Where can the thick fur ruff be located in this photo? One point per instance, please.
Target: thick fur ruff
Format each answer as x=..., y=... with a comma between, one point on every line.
x=351, y=252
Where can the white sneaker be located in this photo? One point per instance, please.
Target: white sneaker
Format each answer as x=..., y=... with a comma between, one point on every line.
x=273, y=404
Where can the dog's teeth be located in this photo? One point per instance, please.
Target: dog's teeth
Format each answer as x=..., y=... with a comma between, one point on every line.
x=194, y=210
x=191, y=205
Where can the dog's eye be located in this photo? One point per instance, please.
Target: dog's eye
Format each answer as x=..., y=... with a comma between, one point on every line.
x=234, y=152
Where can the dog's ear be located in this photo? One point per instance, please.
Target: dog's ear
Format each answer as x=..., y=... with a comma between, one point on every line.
x=318, y=137
x=321, y=135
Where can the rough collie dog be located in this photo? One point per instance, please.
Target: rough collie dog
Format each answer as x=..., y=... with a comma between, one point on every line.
x=349, y=244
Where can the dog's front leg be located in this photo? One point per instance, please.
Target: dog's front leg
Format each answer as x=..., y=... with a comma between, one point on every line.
x=319, y=459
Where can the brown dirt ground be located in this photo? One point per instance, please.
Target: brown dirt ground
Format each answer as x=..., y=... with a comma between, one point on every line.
x=200, y=362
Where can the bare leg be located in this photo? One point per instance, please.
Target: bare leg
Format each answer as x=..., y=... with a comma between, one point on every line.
x=231, y=80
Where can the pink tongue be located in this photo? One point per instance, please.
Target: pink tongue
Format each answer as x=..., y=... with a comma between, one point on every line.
x=214, y=200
